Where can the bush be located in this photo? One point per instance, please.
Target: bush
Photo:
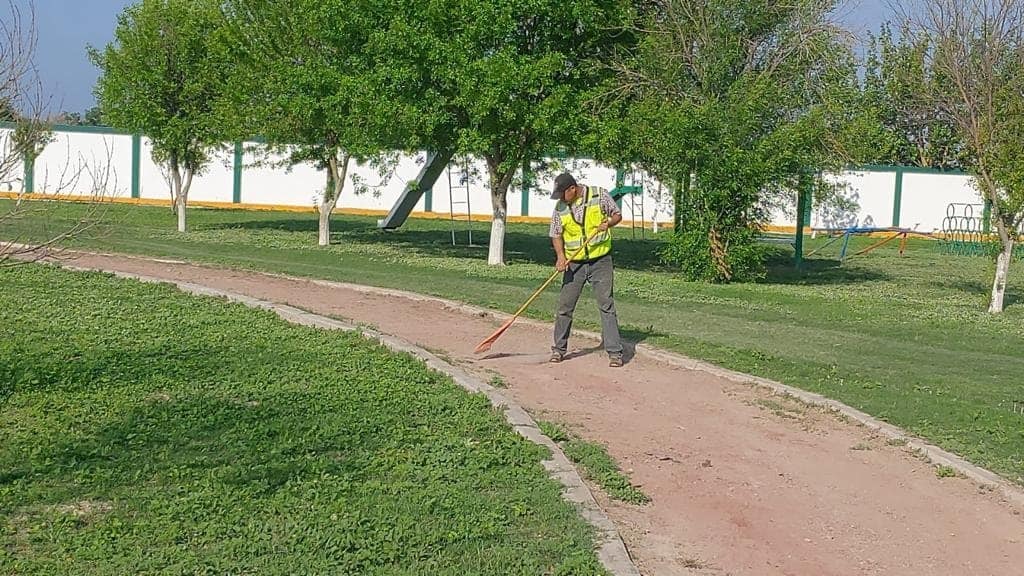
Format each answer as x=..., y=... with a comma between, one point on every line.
x=706, y=254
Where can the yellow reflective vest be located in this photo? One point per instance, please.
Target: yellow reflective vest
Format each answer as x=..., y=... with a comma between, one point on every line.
x=574, y=233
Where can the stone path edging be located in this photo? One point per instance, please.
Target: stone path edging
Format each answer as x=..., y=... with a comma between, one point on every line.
x=611, y=550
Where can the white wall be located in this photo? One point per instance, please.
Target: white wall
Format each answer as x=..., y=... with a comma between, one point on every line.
x=215, y=184
x=12, y=169
x=265, y=182
x=874, y=194
x=927, y=196
x=924, y=201
x=85, y=164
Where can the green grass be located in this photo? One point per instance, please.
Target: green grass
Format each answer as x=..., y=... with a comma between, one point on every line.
x=149, y=432
x=904, y=339
x=947, y=472
x=596, y=464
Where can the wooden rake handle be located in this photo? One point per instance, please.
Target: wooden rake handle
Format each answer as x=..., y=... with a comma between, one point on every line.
x=486, y=344
x=552, y=277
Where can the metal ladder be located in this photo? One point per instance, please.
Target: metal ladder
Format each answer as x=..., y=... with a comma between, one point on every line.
x=462, y=176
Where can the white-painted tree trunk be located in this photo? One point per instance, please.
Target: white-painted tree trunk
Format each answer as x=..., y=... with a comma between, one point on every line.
x=182, y=227
x=496, y=251
x=180, y=186
x=325, y=224
x=1002, y=271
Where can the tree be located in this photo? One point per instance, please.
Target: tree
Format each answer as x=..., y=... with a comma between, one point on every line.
x=897, y=83
x=91, y=117
x=8, y=113
x=743, y=104
x=163, y=77
x=977, y=46
x=505, y=81
x=306, y=79
x=22, y=103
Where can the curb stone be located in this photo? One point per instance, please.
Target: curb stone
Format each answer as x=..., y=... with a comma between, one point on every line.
x=611, y=551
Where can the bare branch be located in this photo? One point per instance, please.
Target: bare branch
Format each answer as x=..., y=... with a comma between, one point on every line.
x=23, y=138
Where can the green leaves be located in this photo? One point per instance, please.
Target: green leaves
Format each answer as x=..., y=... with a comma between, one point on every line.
x=744, y=97
x=150, y=432
x=162, y=76
x=508, y=80
x=900, y=88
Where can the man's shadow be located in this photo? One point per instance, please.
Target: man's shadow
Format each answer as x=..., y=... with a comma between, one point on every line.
x=628, y=352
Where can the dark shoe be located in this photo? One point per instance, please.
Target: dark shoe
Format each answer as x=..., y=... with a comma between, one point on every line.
x=615, y=362
x=557, y=357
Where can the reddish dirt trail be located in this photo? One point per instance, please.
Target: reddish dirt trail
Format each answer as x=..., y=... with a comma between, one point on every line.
x=742, y=483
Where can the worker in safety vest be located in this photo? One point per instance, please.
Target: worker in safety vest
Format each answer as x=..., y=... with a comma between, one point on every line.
x=584, y=212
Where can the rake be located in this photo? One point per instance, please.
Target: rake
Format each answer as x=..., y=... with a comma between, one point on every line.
x=486, y=344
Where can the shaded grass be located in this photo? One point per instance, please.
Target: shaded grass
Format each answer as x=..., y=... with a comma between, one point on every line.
x=149, y=432
x=904, y=339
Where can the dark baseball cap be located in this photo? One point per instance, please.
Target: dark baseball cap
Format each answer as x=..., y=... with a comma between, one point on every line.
x=562, y=182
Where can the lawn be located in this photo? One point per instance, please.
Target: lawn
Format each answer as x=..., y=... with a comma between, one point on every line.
x=904, y=339
x=143, y=431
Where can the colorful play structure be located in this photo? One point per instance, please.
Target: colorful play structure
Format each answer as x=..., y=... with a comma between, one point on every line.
x=845, y=234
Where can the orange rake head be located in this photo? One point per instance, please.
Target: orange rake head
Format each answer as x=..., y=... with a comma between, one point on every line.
x=486, y=344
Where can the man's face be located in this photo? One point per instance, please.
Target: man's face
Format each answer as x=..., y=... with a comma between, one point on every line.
x=571, y=194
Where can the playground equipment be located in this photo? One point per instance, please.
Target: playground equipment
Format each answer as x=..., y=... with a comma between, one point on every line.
x=635, y=192
x=965, y=233
x=964, y=230
x=463, y=177
x=431, y=171
x=845, y=234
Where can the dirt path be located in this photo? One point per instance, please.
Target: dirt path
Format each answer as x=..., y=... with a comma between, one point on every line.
x=742, y=483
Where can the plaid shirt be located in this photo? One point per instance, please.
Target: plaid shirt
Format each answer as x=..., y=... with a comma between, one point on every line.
x=608, y=207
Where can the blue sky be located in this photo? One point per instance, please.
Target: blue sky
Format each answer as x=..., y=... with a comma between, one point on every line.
x=66, y=27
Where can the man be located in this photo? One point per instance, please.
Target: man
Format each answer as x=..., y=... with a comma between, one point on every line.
x=584, y=212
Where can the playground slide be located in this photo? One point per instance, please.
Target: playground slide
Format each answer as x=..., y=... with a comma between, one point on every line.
x=431, y=171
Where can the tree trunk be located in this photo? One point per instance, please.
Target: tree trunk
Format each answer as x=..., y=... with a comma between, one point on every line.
x=496, y=249
x=337, y=171
x=180, y=185
x=183, y=199
x=1002, y=271
x=324, y=236
x=182, y=227
x=499, y=203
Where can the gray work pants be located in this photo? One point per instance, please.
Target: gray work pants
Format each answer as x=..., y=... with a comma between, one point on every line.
x=600, y=275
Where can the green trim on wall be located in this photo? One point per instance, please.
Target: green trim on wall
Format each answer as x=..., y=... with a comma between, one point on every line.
x=524, y=207
x=906, y=170
x=136, y=165
x=29, y=179
x=986, y=218
x=897, y=198
x=236, y=189
x=75, y=129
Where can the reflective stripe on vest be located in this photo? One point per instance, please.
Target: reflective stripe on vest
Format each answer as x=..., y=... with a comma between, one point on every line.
x=574, y=233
